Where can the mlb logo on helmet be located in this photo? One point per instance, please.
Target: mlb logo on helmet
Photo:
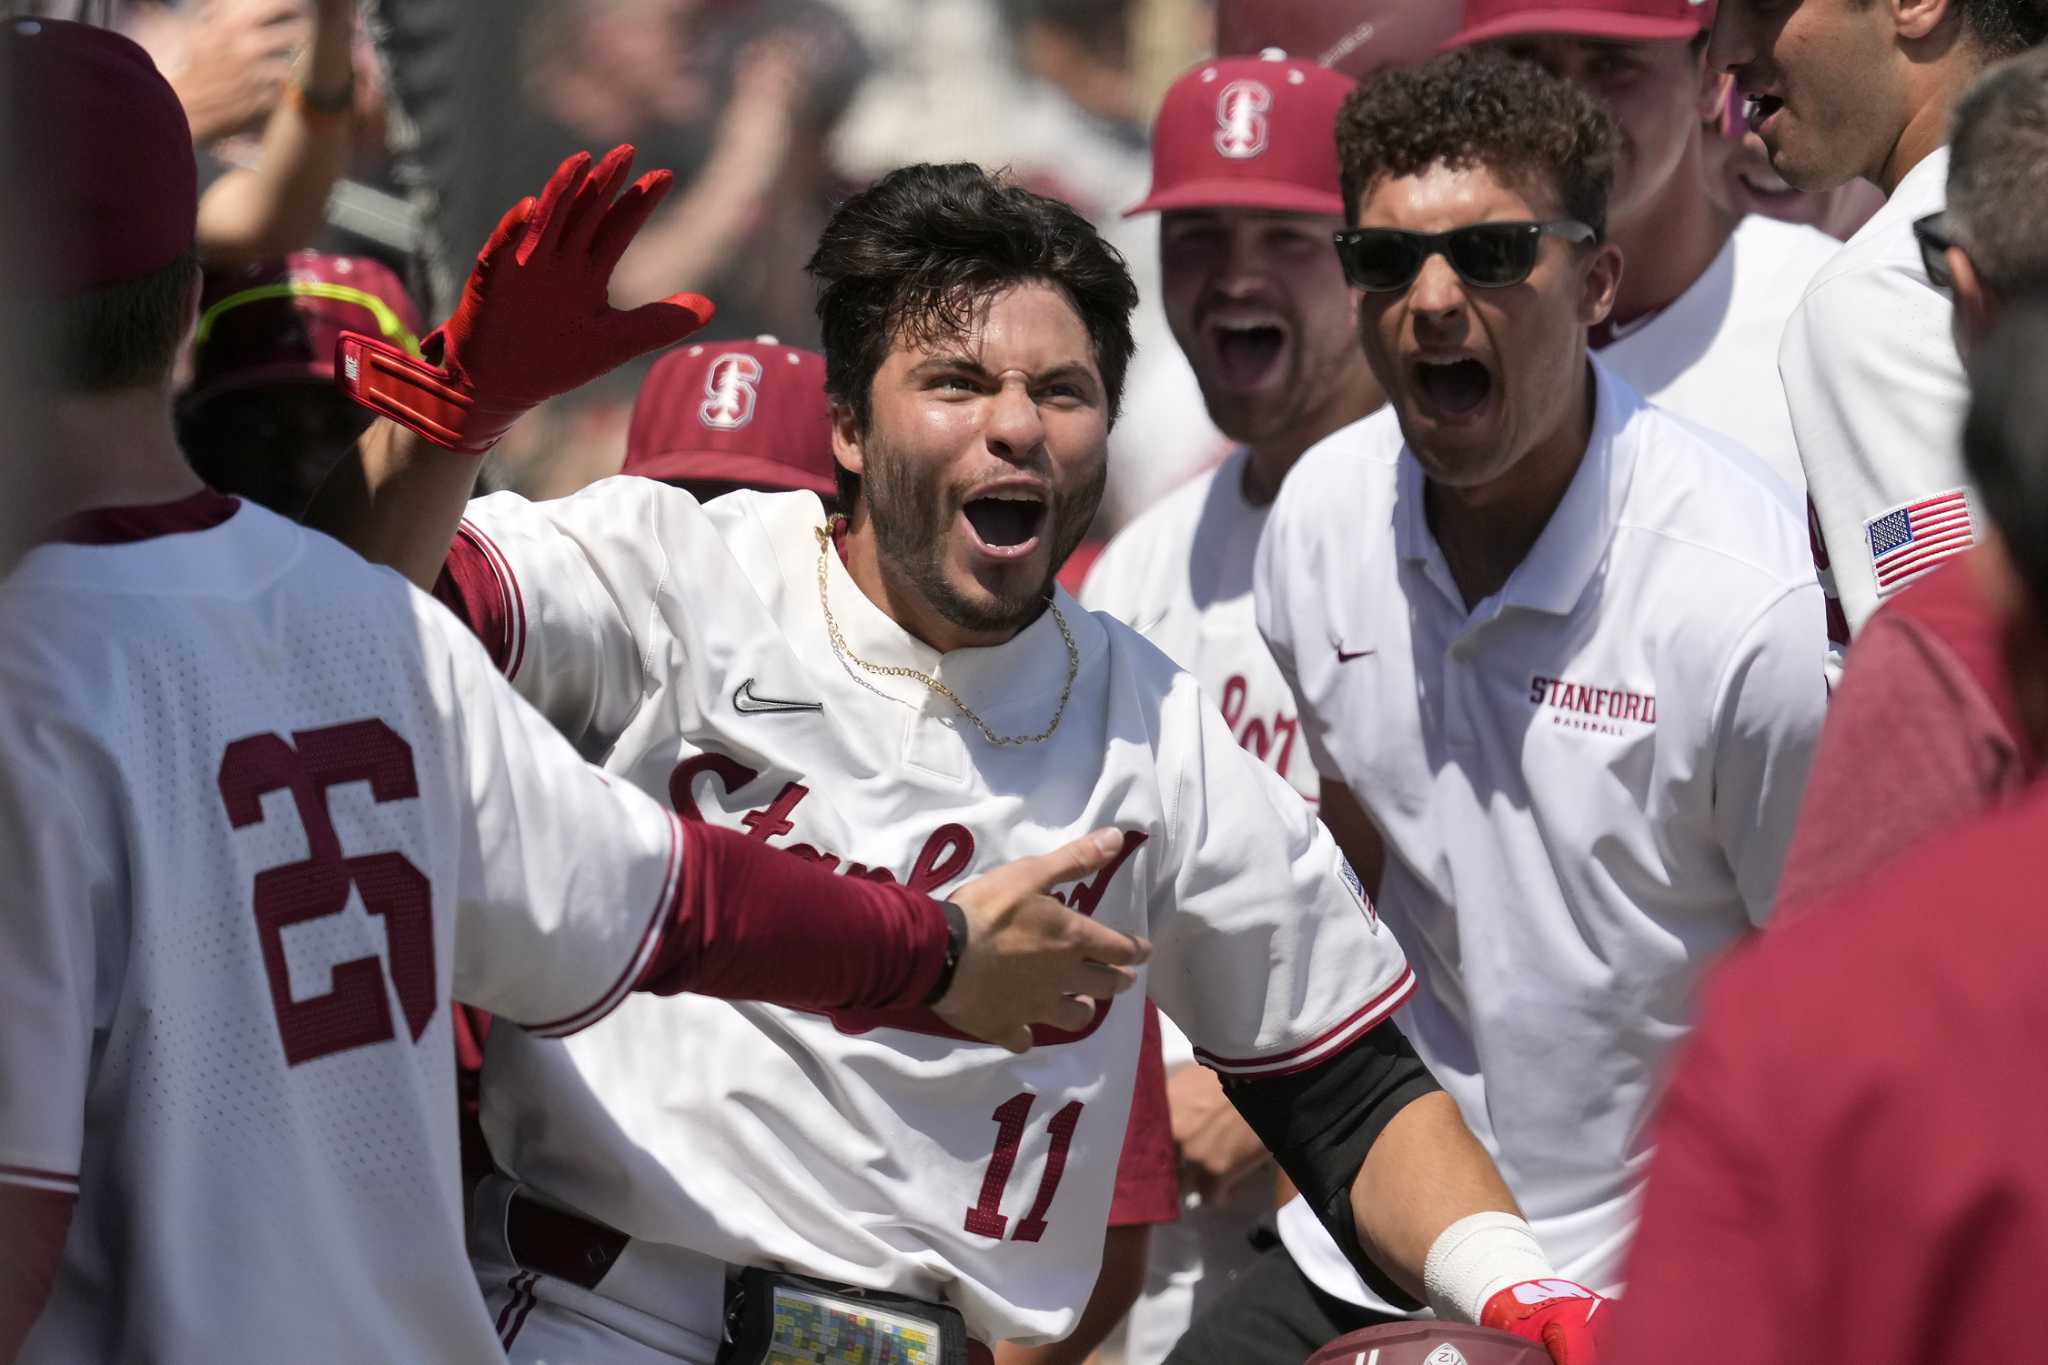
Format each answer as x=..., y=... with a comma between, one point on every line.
x=730, y=392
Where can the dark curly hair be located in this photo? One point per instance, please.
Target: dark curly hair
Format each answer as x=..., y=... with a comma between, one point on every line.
x=1475, y=108
x=918, y=254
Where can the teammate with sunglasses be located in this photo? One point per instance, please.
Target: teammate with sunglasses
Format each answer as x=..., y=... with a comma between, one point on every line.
x=1557, y=655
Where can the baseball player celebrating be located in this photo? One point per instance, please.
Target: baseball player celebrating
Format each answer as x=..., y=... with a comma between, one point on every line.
x=900, y=695
x=1245, y=176
x=1839, y=90
x=265, y=809
x=1705, y=291
x=1562, y=648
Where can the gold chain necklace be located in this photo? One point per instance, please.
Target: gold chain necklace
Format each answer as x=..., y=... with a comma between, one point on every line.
x=840, y=648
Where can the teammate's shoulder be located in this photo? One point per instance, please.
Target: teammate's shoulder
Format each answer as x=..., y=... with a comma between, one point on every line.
x=1707, y=496
x=1163, y=531
x=1781, y=258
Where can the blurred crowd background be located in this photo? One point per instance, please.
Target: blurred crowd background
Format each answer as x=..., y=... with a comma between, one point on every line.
x=768, y=112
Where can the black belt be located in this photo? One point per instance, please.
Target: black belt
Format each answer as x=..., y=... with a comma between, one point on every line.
x=565, y=1245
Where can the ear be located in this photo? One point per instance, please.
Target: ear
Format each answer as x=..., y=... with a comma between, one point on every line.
x=1917, y=19
x=1976, y=310
x=1601, y=282
x=1715, y=89
x=848, y=447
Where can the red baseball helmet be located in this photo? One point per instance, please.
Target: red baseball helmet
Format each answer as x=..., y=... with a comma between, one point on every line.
x=744, y=412
x=1430, y=1343
x=278, y=322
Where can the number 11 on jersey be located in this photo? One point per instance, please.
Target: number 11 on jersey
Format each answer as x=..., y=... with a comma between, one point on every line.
x=986, y=1218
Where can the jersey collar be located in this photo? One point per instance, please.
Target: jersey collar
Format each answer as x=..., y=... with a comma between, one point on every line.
x=1574, y=542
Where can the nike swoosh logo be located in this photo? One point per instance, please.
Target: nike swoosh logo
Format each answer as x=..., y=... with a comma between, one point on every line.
x=1345, y=656
x=747, y=701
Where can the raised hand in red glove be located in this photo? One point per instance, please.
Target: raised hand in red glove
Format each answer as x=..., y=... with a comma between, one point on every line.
x=534, y=320
x=1566, y=1319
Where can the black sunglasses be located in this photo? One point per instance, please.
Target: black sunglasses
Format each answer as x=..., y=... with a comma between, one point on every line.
x=1932, y=234
x=1485, y=255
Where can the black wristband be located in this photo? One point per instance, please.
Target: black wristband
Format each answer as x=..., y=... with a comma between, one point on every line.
x=956, y=944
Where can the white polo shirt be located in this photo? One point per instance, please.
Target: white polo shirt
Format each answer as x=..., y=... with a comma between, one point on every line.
x=1878, y=396
x=1712, y=355
x=1585, y=783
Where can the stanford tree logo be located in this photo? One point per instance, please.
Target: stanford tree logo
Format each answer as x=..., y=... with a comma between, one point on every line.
x=1241, y=119
x=729, y=392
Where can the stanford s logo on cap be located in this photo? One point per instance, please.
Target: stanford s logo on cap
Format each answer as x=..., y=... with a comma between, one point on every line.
x=1241, y=119
x=729, y=392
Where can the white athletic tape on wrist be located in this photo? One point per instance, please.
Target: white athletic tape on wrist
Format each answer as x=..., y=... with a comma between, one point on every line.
x=1475, y=1258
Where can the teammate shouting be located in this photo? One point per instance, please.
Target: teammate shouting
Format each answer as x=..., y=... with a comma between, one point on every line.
x=264, y=809
x=902, y=694
x=1562, y=648
x=1244, y=174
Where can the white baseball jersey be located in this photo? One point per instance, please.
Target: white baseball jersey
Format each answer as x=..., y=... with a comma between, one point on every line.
x=688, y=647
x=1878, y=397
x=1181, y=576
x=1712, y=354
x=264, y=808
x=1585, y=783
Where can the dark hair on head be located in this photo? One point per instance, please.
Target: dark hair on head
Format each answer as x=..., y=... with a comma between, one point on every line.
x=2004, y=27
x=2005, y=439
x=120, y=336
x=1998, y=174
x=916, y=256
x=1473, y=108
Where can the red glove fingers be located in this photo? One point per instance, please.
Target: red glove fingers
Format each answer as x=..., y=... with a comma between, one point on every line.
x=1566, y=1319
x=534, y=320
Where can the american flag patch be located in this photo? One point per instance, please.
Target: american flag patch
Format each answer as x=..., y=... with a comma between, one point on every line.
x=1908, y=541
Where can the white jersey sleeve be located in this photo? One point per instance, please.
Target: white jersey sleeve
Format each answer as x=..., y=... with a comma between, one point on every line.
x=1877, y=396
x=1272, y=573
x=1272, y=959
x=567, y=876
x=1767, y=723
x=558, y=592
x=62, y=901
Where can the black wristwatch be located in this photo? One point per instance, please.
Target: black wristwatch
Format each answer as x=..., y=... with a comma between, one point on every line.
x=956, y=944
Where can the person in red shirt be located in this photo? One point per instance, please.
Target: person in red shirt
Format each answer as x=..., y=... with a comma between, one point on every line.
x=1847, y=1166
x=1925, y=729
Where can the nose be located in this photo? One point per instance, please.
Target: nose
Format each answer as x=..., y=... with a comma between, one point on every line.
x=1437, y=295
x=1729, y=45
x=1015, y=430
x=1241, y=269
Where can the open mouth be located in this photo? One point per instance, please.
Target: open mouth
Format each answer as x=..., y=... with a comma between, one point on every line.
x=1247, y=352
x=1455, y=388
x=1006, y=524
x=1759, y=110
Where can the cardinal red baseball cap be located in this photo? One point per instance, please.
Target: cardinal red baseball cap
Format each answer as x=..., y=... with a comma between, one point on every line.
x=278, y=322
x=1628, y=21
x=744, y=412
x=98, y=141
x=1249, y=132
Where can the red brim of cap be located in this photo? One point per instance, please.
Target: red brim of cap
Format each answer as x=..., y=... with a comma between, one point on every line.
x=1241, y=194
x=1580, y=23
x=723, y=466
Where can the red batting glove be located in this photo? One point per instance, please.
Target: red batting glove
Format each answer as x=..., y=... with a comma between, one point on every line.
x=1564, y=1318
x=534, y=320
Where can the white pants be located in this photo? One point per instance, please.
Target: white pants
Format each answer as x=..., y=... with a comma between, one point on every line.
x=657, y=1305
